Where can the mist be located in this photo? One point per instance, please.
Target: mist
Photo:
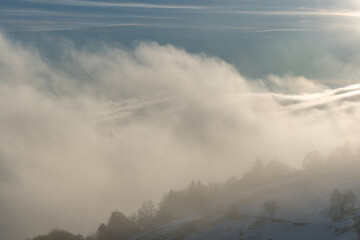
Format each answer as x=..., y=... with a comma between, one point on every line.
x=104, y=127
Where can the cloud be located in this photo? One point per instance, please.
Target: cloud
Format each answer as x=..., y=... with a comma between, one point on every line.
x=120, y=4
x=293, y=85
x=104, y=127
x=235, y=16
x=331, y=99
x=300, y=12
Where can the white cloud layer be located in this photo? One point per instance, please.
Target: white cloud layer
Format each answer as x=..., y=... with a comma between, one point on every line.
x=106, y=127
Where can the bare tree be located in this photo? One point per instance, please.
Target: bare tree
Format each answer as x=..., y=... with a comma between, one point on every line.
x=134, y=218
x=336, y=205
x=146, y=213
x=341, y=204
x=349, y=199
x=271, y=207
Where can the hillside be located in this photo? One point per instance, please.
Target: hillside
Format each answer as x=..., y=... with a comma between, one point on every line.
x=270, y=201
x=303, y=211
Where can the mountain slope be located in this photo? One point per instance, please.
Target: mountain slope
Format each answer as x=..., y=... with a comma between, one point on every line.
x=303, y=200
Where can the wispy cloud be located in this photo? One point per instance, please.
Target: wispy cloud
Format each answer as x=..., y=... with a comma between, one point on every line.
x=75, y=15
x=171, y=16
x=73, y=26
x=316, y=12
x=213, y=8
x=119, y=4
x=329, y=99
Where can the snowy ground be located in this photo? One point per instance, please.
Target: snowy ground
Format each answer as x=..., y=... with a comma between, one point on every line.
x=302, y=214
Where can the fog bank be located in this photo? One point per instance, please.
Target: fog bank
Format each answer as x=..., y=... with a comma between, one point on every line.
x=104, y=127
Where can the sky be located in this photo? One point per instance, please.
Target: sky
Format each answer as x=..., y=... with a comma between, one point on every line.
x=257, y=37
x=104, y=104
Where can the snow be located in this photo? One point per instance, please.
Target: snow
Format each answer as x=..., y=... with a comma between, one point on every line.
x=302, y=214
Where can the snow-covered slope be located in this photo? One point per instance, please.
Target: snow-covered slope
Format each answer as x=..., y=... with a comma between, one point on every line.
x=252, y=227
x=303, y=201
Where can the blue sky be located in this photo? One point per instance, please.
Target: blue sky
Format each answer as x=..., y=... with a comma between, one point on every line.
x=258, y=37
